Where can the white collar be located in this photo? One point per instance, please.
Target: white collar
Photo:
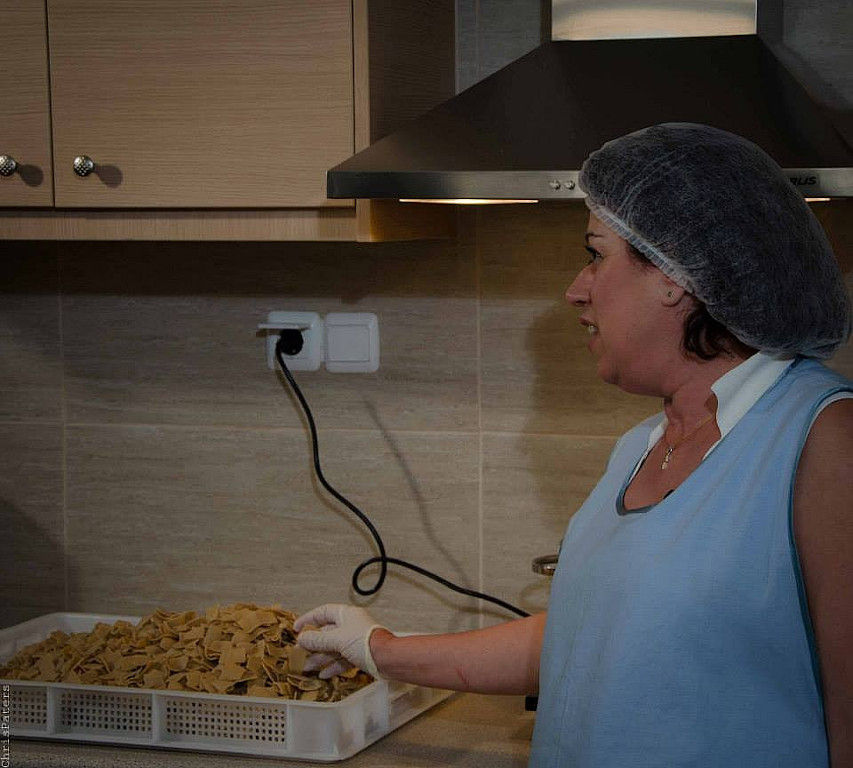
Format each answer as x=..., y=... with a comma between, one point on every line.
x=737, y=391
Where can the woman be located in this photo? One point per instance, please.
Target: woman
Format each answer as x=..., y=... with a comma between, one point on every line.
x=702, y=609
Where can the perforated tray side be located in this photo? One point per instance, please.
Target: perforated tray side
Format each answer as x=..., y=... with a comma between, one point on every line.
x=200, y=721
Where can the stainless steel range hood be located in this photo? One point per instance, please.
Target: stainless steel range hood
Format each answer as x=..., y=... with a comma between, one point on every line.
x=525, y=131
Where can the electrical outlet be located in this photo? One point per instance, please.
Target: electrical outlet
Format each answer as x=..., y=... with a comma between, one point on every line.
x=310, y=357
x=347, y=341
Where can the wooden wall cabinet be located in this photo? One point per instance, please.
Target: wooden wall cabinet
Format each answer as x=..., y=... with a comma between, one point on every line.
x=216, y=119
x=25, y=122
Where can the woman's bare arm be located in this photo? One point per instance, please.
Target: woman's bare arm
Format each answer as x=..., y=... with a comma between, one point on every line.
x=499, y=659
x=823, y=529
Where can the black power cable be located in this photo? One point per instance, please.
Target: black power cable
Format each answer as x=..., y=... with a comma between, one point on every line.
x=288, y=342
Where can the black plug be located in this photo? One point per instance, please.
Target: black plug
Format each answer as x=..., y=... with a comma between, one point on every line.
x=289, y=341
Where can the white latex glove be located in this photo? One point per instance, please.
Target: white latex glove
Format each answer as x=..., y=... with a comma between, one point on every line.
x=342, y=641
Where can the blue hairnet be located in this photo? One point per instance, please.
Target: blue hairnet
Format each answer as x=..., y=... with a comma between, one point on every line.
x=714, y=213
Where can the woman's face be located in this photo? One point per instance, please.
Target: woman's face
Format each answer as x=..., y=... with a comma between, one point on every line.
x=621, y=308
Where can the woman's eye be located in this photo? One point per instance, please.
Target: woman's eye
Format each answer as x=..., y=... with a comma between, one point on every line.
x=593, y=255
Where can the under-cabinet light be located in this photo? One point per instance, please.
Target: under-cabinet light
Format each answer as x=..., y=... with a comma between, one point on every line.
x=469, y=201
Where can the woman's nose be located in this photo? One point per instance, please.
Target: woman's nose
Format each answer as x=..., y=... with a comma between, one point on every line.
x=578, y=292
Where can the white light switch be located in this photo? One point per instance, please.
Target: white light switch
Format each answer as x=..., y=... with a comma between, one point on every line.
x=352, y=342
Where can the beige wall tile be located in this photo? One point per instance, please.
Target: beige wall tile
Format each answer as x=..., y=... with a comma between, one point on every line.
x=30, y=364
x=537, y=373
x=183, y=518
x=532, y=485
x=189, y=474
x=32, y=560
x=165, y=333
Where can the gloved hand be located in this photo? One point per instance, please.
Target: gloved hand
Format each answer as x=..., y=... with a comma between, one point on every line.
x=344, y=632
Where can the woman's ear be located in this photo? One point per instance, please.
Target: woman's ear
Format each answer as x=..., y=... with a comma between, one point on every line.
x=671, y=292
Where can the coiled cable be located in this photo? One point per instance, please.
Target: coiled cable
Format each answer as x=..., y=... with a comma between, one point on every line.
x=383, y=559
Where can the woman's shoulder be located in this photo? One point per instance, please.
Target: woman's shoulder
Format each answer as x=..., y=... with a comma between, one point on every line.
x=803, y=387
x=807, y=371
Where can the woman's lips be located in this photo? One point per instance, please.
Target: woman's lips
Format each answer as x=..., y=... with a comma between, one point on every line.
x=591, y=328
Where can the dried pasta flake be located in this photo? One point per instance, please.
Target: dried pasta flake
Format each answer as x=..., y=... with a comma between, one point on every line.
x=240, y=649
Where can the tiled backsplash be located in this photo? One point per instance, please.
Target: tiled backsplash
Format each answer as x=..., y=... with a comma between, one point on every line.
x=149, y=458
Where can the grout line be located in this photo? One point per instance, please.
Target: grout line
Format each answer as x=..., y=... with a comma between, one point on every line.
x=62, y=402
x=64, y=433
x=245, y=428
x=480, y=532
x=578, y=435
x=27, y=422
x=296, y=428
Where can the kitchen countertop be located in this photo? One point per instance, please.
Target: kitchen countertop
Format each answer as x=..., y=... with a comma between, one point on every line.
x=465, y=730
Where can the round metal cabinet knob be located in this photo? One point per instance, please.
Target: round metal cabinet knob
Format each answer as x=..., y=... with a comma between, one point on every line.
x=7, y=165
x=83, y=165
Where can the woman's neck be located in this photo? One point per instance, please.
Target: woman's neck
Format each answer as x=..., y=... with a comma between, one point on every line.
x=691, y=400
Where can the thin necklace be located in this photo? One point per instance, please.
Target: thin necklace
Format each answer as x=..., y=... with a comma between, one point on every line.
x=670, y=447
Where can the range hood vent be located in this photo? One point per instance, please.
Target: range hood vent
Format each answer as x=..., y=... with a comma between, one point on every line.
x=524, y=131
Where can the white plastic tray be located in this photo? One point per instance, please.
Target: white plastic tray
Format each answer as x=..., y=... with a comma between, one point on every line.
x=246, y=725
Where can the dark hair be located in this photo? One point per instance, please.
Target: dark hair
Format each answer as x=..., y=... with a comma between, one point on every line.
x=704, y=337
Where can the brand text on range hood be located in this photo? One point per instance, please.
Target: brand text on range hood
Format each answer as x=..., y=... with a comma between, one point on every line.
x=525, y=131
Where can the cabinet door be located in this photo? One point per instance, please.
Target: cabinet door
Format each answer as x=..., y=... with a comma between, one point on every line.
x=25, y=125
x=200, y=103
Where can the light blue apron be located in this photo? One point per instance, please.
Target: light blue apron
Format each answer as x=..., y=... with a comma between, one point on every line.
x=679, y=635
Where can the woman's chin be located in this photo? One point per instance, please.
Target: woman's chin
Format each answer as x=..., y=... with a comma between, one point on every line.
x=624, y=378
x=606, y=371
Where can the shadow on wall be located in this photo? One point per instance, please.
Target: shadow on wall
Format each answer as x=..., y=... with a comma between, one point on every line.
x=451, y=568
x=406, y=269
x=437, y=555
x=564, y=381
x=32, y=569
